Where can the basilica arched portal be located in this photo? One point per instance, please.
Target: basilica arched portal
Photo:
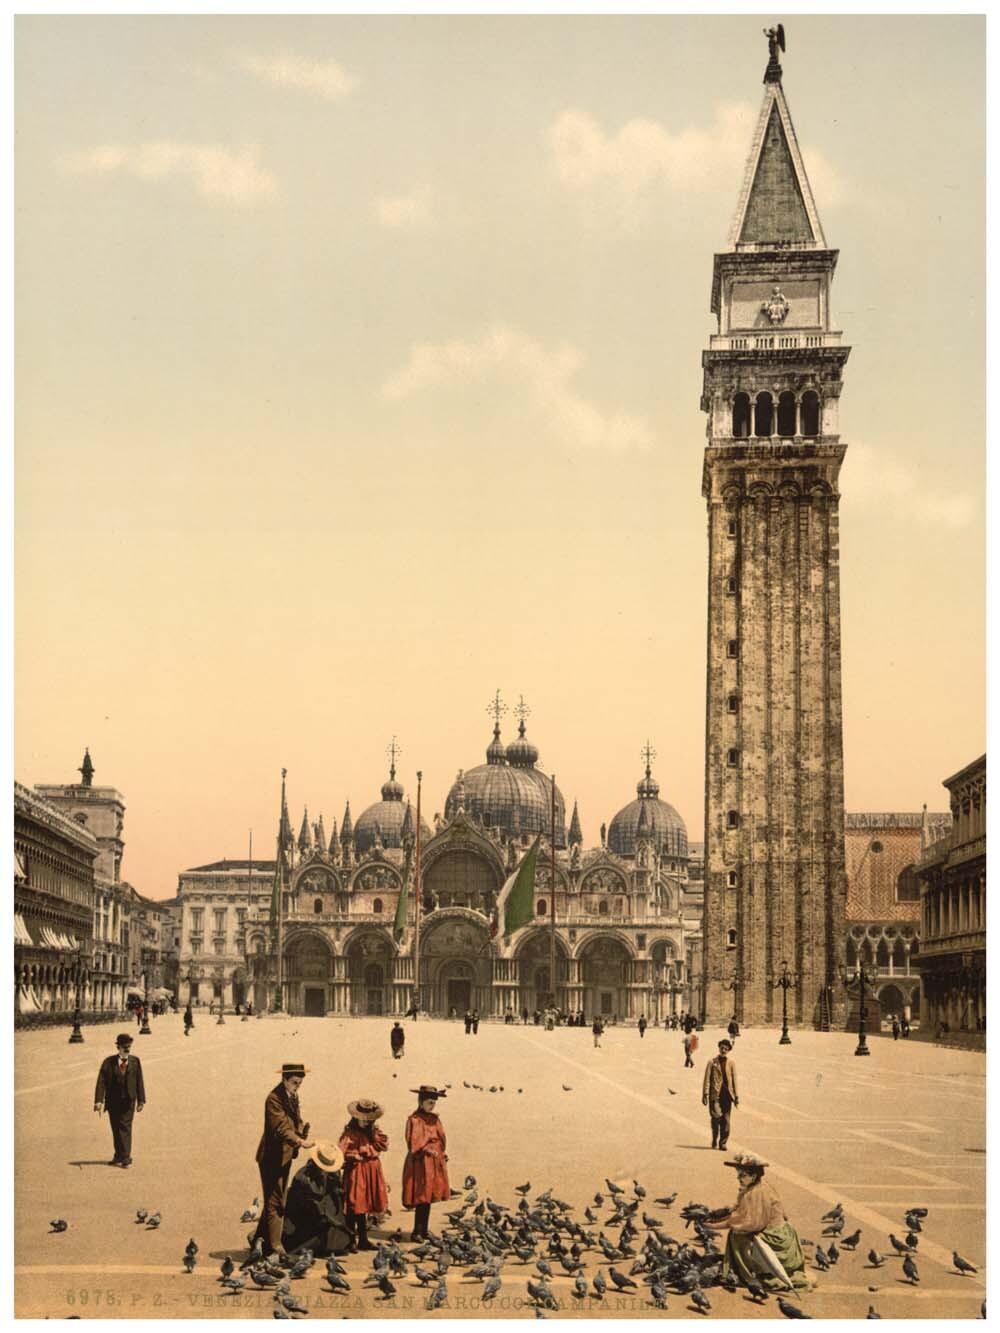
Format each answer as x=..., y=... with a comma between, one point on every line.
x=308, y=967
x=369, y=972
x=604, y=973
x=533, y=971
x=457, y=962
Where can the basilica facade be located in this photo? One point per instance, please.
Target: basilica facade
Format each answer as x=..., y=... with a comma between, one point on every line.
x=622, y=940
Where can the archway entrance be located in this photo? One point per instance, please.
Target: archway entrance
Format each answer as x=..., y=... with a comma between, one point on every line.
x=458, y=965
x=604, y=967
x=307, y=967
x=533, y=970
x=369, y=965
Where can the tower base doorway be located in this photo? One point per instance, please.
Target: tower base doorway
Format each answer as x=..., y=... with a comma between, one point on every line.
x=314, y=1001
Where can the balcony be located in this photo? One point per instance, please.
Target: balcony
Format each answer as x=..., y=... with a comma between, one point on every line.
x=772, y=341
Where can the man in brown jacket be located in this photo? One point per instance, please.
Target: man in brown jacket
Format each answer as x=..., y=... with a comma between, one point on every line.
x=284, y=1134
x=718, y=1093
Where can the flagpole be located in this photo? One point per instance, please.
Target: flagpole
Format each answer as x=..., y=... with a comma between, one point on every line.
x=416, y=894
x=279, y=988
x=247, y=925
x=552, y=902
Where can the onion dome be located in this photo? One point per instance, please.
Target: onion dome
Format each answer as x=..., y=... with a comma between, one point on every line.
x=384, y=819
x=660, y=822
x=515, y=797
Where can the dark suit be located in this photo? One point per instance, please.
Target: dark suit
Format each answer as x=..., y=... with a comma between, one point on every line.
x=119, y=1093
x=720, y=1096
x=278, y=1145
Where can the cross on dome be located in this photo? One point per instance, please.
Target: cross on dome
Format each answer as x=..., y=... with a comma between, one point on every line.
x=497, y=707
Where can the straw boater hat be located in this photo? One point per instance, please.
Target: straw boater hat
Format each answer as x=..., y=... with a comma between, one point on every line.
x=428, y=1090
x=326, y=1155
x=286, y=1071
x=746, y=1161
x=365, y=1106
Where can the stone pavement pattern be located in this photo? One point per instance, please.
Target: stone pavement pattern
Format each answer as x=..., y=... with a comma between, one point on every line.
x=904, y=1128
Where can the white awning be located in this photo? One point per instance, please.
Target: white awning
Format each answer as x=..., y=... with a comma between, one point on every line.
x=19, y=870
x=26, y=1001
x=21, y=933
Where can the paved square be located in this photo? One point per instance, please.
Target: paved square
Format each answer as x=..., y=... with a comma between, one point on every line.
x=904, y=1128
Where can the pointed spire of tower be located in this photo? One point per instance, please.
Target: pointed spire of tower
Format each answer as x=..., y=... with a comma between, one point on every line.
x=86, y=769
x=286, y=838
x=305, y=833
x=575, y=836
x=334, y=843
x=407, y=829
x=320, y=833
x=346, y=827
x=642, y=828
x=925, y=831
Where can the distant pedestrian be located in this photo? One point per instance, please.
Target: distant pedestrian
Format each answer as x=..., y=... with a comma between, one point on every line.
x=120, y=1091
x=468, y=1021
x=642, y=1025
x=475, y=1022
x=597, y=1030
x=284, y=1134
x=733, y=1029
x=188, y=1019
x=895, y=1028
x=249, y=1008
x=689, y=1022
x=412, y=1011
x=905, y=1026
x=690, y=1046
x=719, y=1093
x=525, y=1015
x=397, y=1040
x=364, y=1184
x=425, y=1171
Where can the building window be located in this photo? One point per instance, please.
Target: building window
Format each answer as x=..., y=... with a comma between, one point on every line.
x=219, y=946
x=377, y=906
x=733, y=648
x=640, y=941
x=730, y=939
x=786, y=414
x=765, y=415
x=602, y=907
x=540, y=907
x=732, y=819
x=876, y=847
x=741, y=416
x=733, y=758
x=732, y=879
x=733, y=703
x=197, y=917
x=731, y=585
x=810, y=413
x=220, y=920
x=907, y=886
x=731, y=528
x=318, y=906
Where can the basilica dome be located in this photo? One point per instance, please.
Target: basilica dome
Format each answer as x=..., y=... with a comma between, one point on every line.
x=508, y=792
x=666, y=830
x=386, y=818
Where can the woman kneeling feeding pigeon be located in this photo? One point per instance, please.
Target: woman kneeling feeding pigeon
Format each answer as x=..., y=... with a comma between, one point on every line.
x=364, y=1184
x=314, y=1216
x=763, y=1245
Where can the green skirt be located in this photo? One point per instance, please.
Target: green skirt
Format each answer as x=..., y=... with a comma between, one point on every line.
x=783, y=1240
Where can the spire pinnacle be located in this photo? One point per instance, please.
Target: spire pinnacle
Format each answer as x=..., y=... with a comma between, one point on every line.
x=575, y=835
x=86, y=769
x=393, y=751
x=775, y=42
x=305, y=832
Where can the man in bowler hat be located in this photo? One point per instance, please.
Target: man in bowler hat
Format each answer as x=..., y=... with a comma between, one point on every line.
x=719, y=1093
x=120, y=1091
x=284, y=1134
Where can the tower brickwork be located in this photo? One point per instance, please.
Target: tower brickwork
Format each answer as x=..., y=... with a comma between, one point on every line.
x=775, y=883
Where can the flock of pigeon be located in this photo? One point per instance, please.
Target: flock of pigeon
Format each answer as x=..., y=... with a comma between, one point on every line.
x=539, y=1240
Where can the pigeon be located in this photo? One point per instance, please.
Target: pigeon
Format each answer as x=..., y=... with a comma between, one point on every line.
x=619, y=1279
x=386, y=1287
x=667, y=1200
x=226, y=1267
x=539, y=1314
x=700, y=1301
x=872, y=1313
x=917, y=1212
x=153, y=1222
x=59, y=1224
x=279, y=1313
x=598, y=1199
x=580, y=1287
x=437, y=1297
x=333, y=1265
x=910, y=1269
x=523, y=1189
x=141, y=1215
x=672, y=1092
x=291, y=1303
x=470, y=1182
x=337, y=1281
x=961, y=1264
x=263, y=1278
x=543, y=1267
x=234, y=1285
x=833, y=1254
x=613, y=1189
x=255, y=1255
x=822, y=1262
x=875, y=1259
x=851, y=1242
x=791, y=1311
x=757, y=1292
x=835, y=1227
x=911, y=1240
x=836, y=1211
x=912, y=1222
x=729, y=1283
x=491, y=1289
x=566, y=1087
x=898, y=1245
x=640, y=1192
x=600, y=1286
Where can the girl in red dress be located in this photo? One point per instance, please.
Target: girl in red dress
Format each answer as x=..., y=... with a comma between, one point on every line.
x=425, y=1175
x=365, y=1189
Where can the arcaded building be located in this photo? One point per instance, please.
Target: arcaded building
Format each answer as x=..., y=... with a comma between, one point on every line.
x=620, y=943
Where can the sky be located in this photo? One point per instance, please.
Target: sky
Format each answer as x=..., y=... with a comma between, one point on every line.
x=357, y=374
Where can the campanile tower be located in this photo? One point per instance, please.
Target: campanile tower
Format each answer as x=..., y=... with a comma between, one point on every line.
x=775, y=883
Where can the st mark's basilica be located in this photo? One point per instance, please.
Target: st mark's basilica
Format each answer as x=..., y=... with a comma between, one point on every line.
x=627, y=911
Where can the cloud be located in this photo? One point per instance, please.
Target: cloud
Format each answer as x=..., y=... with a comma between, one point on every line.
x=405, y=212
x=233, y=176
x=545, y=374
x=875, y=476
x=644, y=152
x=322, y=78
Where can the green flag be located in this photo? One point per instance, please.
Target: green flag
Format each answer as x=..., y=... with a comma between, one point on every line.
x=399, y=925
x=516, y=903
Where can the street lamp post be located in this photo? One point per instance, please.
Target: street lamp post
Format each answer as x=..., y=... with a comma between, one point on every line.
x=785, y=980
x=736, y=986
x=76, y=1035
x=145, y=1030
x=865, y=974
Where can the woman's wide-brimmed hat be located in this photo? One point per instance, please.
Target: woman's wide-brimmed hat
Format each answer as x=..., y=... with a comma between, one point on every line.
x=286, y=1071
x=428, y=1090
x=365, y=1106
x=326, y=1155
x=746, y=1161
